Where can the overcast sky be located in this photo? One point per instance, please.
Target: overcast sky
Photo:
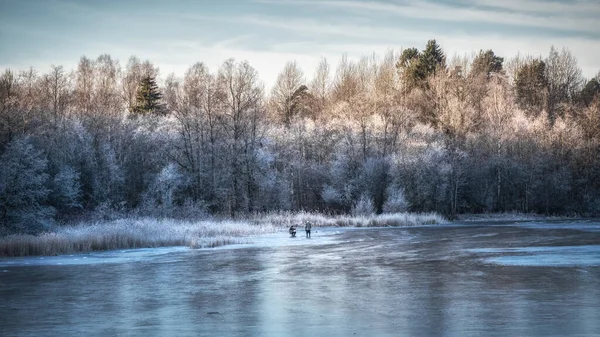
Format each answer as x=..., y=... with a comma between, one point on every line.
x=175, y=34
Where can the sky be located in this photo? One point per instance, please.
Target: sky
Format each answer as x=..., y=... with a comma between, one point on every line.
x=176, y=34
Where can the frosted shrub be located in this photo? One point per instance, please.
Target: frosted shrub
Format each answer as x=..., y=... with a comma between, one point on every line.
x=396, y=202
x=364, y=206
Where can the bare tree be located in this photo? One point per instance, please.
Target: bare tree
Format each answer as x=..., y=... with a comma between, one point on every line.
x=321, y=83
x=107, y=76
x=346, y=84
x=9, y=119
x=287, y=91
x=242, y=111
x=58, y=93
x=390, y=103
x=84, y=86
x=564, y=81
x=195, y=112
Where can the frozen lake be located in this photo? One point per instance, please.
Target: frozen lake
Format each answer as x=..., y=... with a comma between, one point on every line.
x=528, y=279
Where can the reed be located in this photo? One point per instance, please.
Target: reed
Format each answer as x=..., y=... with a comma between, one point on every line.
x=151, y=232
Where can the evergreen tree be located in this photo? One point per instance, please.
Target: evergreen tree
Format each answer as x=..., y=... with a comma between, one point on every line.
x=590, y=91
x=410, y=68
x=532, y=87
x=416, y=67
x=148, y=98
x=432, y=57
x=486, y=63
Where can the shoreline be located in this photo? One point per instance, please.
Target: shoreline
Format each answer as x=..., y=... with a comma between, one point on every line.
x=133, y=233
x=136, y=233
x=501, y=217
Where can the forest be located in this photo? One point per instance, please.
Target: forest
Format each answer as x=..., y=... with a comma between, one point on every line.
x=415, y=131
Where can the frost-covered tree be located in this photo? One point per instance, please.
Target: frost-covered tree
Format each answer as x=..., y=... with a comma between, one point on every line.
x=9, y=119
x=200, y=135
x=84, y=86
x=363, y=206
x=23, y=191
x=65, y=192
x=57, y=93
x=395, y=201
x=161, y=196
x=240, y=117
x=107, y=100
x=452, y=140
x=564, y=81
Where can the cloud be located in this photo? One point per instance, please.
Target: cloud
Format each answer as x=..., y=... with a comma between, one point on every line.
x=331, y=29
x=578, y=7
x=320, y=35
x=527, y=14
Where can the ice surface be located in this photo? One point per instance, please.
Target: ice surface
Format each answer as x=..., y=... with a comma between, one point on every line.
x=552, y=256
x=421, y=281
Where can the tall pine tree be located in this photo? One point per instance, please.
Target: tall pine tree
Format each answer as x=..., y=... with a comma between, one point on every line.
x=486, y=63
x=148, y=99
x=416, y=66
x=532, y=87
x=431, y=58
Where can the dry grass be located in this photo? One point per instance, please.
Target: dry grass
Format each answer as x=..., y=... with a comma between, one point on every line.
x=151, y=233
x=131, y=233
x=287, y=219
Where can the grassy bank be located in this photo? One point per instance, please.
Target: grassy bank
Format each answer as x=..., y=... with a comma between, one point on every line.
x=150, y=233
x=287, y=219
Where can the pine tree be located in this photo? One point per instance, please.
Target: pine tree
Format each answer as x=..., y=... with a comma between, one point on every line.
x=410, y=68
x=486, y=63
x=432, y=57
x=148, y=98
x=590, y=91
x=417, y=66
x=532, y=87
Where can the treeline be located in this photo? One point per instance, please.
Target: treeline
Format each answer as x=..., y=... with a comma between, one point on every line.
x=415, y=131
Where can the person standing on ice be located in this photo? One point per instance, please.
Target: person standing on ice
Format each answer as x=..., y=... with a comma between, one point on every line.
x=307, y=227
